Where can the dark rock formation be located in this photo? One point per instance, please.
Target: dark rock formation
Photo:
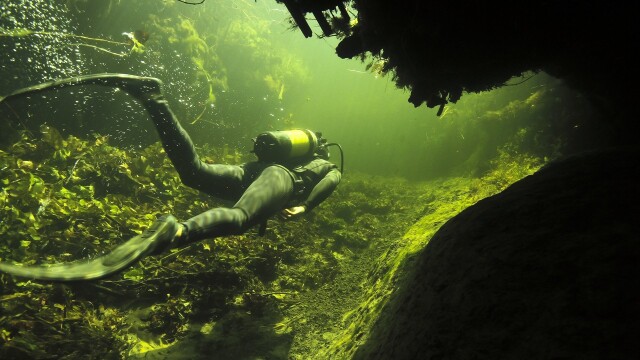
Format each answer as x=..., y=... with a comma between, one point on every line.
x=547, y=269
x=441, y=49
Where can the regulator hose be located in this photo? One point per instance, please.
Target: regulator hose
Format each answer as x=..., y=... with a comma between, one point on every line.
x=341, y=155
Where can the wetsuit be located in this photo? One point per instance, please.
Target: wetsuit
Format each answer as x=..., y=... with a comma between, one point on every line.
x=260, y=189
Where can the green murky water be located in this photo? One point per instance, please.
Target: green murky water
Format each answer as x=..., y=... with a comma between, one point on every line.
x=82, y=170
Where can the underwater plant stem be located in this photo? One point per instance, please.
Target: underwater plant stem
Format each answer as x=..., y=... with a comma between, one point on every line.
x=100, y=49
x=26, y=32
x=13, y=111
x=71, y=172
x=200, y=115
x=115, y=221
x=106, y=289
x=211, y=96
x=191, y=3
x=278, y=293
x=90, y=38
x=174, y=253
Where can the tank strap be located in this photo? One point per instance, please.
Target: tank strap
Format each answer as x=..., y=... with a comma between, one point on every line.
x=298, y=182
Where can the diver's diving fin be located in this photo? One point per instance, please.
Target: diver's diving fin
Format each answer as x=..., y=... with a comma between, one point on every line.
x=122, y=257
x=132, y=84
x=157, y=236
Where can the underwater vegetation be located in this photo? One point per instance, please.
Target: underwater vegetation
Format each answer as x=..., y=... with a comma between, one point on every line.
x=307, y=289
x=135, y=44
x=205, y=61
x=437, y=202
x=65, y=199
x=208, y=65
x=181, y=35
x=277, y=69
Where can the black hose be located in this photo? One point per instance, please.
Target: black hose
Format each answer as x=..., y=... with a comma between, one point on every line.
x=341, y=155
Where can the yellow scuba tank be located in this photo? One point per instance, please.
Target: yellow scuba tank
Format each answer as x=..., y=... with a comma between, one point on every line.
x=279, y=146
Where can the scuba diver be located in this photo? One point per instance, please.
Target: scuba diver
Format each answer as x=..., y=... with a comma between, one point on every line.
x=292, y=176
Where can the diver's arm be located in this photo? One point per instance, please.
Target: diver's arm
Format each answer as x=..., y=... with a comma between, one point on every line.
x=320, y=193
x=323, y=189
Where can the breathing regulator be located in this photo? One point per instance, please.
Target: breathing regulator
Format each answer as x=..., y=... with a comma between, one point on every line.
x=291, y=145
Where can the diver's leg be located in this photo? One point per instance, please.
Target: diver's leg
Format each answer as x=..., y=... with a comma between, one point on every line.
x=267, y=195
x=223, y=181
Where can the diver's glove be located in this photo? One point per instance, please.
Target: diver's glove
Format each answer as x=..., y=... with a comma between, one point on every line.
x=156, y=239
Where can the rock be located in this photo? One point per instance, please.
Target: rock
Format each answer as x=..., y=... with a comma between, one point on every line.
x=547, y=269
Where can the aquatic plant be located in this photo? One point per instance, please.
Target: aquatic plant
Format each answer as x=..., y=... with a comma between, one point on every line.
x=181, y=33
x=440, y=201
x=85, y=41
x=65, y=198
x=278, y=69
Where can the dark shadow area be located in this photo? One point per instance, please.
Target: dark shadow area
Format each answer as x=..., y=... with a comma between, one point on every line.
x=440, y=50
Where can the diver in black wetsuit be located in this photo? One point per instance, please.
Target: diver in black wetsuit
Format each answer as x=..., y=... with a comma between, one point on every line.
x=290, y=185
x=260, y=189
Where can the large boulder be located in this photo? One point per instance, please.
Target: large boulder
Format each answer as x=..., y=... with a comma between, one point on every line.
x=547, y=269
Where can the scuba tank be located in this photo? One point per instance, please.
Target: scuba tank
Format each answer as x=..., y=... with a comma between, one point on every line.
x=291, y=145
x=284, y=146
